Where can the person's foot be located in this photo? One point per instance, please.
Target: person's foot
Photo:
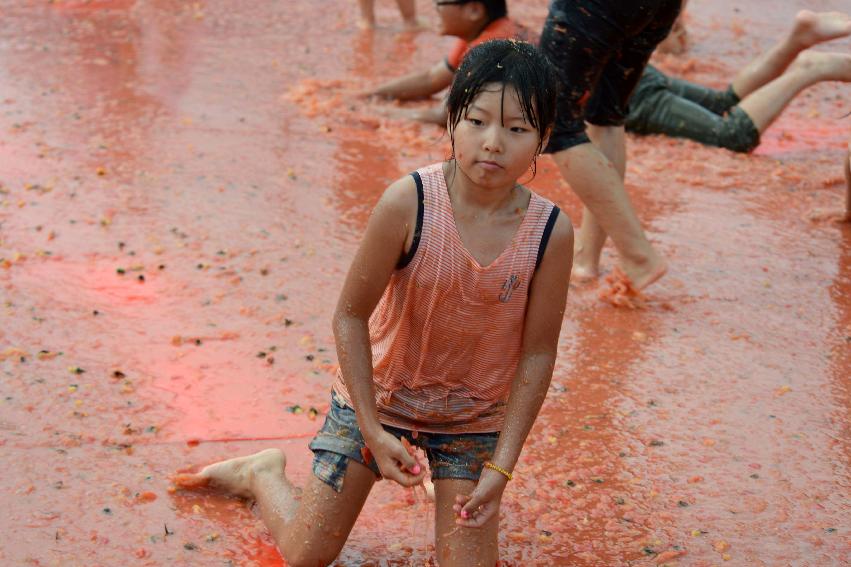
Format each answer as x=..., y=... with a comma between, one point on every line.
x=428, y=486
x=823, y=66
x=642, y=274
x=582, y=274
x=366, y=24
x=836, y=216
x=414, y=25
x=234, y=476
x=816, y=27
x=586, y=266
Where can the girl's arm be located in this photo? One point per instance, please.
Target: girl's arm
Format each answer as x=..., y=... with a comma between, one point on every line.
x=544, y=314
x=389, y=229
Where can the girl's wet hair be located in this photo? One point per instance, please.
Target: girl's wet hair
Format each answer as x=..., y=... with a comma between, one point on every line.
x=509, y=63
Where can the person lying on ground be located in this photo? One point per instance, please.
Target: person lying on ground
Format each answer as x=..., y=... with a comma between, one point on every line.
x=472, y=22
x=735, y=118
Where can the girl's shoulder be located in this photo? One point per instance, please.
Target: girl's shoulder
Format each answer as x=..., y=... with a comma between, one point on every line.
x=401, y=195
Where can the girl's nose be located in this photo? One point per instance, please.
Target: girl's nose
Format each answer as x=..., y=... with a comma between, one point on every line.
x=493, y=140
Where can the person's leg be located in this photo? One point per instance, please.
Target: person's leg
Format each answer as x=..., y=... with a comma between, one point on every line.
x=408, y=10
x=713, y=100
x=765, y=104
x=456, y=546
x=658, y=109
x=580, y=43
x=808, y=29
x=367, y=14
x=309, y=528
x=591, y=236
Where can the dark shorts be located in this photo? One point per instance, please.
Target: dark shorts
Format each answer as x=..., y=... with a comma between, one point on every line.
x=599, y=48
x=450, y=455
x=678, y=108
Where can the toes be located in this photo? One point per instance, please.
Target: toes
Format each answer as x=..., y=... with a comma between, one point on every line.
x=190, y=481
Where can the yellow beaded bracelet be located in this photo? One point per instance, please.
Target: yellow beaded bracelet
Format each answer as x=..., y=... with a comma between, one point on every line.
x=490, y=465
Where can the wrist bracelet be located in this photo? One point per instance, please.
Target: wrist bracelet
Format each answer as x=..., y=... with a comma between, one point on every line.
x=490, y=465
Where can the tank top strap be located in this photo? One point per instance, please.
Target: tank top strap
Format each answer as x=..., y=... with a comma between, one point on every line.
x=434, y=186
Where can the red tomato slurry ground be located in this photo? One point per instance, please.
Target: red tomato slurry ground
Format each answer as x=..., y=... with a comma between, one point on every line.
x=182, y=188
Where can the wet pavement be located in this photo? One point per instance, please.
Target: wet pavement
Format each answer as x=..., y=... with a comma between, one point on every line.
x=183, y=186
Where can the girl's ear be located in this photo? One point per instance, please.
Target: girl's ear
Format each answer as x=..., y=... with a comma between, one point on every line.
x=546, y=140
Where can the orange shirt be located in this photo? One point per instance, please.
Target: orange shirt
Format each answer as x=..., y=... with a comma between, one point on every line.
x=446, y=334
x=502, y=28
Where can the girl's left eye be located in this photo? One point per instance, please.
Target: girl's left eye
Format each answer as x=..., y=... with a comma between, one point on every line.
x=519, y=129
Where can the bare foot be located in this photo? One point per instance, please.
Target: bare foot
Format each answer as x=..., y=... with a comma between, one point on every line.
x=233, y=476
x=414, y=25
x=428, y=486
x=581, y=274
x=816, y=27
x=824, y=66
x=366, y=24
x=642, y=275
x=837, y=216
x=586, y=267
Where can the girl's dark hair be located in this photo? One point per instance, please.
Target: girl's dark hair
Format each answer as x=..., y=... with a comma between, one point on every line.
x=510, y=63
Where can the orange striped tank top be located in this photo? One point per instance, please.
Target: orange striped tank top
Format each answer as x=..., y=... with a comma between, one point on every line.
x=447, y=332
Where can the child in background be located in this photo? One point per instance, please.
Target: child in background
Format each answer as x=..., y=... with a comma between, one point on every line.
x=472, y=22
x=735, y=118
x=407, y=9
x=446, y=330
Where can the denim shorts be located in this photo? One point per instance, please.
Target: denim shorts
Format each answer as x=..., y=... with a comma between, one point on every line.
x=450, y=455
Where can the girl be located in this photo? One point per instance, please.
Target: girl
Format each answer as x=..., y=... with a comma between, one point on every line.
x=446, y=331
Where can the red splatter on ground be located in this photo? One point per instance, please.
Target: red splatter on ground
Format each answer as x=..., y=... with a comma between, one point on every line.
x=215, y=149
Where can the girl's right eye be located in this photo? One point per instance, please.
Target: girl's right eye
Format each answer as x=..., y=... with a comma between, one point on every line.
x=475, y=121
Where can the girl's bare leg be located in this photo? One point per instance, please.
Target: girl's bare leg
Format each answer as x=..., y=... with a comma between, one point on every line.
x=810, y=28
x=309, y=528
x=457, y=546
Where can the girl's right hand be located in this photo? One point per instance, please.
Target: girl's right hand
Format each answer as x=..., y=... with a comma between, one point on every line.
x=395, y=461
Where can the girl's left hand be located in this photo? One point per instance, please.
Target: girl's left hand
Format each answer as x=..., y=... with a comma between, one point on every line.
x=480, y=507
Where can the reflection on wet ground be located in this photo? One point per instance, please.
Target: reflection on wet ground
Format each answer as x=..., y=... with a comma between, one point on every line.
x=181, y=189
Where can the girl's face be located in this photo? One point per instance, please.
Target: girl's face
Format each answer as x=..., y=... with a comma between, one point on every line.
x=494, y=144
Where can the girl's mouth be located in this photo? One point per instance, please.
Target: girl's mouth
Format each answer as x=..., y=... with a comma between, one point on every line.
x=490, y=165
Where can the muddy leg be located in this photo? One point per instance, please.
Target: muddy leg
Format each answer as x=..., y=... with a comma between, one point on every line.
x=309, y=528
